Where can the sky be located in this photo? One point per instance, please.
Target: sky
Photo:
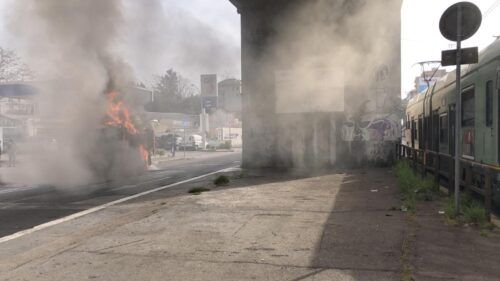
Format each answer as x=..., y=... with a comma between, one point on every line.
x=420, y=37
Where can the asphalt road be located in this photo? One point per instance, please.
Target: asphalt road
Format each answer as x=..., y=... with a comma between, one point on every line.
x=25, y=207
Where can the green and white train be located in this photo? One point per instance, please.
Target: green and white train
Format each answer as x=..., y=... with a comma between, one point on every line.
x=430, y=116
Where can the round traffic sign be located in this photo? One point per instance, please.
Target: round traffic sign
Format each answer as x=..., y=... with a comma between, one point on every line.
x=471, y=20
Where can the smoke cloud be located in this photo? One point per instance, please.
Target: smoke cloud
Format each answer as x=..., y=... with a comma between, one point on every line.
x=330, y=71
x=72, y=45
x=163, y=34
x=78, y=49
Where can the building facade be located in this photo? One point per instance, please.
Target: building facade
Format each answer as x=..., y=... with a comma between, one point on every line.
x=229, y=95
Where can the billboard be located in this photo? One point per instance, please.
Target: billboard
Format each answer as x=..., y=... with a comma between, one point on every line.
x=209, y=85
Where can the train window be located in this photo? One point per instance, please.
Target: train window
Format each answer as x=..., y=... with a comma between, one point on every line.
x=443, y=129
x=489, y=103
x=468, y=108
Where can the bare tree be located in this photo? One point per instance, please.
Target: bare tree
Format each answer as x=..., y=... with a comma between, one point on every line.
x=186, y=88
x=12, y=68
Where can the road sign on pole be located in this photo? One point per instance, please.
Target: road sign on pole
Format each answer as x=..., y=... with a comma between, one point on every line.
x=469, y=56
x=209, y=102
x=459, y=22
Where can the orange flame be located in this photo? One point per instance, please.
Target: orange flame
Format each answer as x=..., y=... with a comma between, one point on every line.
x=119, y=115
x=144, y=153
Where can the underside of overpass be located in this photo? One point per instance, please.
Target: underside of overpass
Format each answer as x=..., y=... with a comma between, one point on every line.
x=321, y=82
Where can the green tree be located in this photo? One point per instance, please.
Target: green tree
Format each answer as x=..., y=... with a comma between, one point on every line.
x=174, y=93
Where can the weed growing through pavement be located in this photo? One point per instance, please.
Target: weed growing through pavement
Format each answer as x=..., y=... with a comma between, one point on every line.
x=243, y=174
x=406, y=272
x=413, y=188
x=221, y=180
x=198, y=190
x=473, y=213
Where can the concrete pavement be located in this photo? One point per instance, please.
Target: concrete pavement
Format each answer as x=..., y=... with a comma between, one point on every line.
x=337, y=226
x=444, y=252
x=273, y=227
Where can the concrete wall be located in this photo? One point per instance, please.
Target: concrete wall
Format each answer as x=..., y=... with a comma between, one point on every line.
x=359, y=38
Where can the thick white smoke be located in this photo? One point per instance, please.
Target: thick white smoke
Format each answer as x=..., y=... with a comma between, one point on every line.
x=71, y=45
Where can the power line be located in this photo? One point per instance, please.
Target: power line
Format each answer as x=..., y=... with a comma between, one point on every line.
x=491, y=8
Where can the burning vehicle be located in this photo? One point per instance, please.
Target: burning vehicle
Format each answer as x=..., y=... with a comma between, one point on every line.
x=122, y=140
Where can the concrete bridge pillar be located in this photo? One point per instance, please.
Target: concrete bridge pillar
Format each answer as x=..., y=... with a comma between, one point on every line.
x=321, y=81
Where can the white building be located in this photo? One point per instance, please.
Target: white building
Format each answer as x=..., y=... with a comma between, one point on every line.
x=18, y=111
x=229, y=95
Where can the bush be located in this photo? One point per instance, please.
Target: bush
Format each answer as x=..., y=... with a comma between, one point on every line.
x=225, y=145
x=221, y=180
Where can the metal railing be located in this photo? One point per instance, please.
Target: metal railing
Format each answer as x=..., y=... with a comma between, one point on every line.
x=441, y=165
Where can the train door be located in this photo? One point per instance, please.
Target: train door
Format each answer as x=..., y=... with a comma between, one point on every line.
x=487, y=129
x=435, y=131
x=420, y=131
x=444, y=133
x=413, y=132
x=451, y=131
x=468, y=123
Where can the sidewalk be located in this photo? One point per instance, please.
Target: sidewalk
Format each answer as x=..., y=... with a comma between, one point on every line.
x=443, y=252
x=337, y=226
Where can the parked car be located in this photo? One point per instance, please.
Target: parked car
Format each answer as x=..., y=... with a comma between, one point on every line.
x=219, y=144
x=213, y=143
x=167, y=141
x=193, y=142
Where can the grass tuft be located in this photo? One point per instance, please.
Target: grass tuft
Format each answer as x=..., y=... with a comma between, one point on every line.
x=473, y=213
x=198, y=190
x=413, y=188
x=221, y=180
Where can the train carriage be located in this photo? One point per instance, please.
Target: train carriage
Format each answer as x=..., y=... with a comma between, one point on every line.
x=430, y=116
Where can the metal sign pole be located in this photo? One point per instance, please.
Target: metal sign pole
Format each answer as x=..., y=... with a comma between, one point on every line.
x=453, y=28
x=458, y=111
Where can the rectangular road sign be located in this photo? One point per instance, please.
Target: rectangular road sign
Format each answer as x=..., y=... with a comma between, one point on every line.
x=209, y=102
x=469, y=56
x=209, y=85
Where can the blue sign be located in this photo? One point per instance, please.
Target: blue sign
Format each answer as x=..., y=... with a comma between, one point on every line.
x=209, y=102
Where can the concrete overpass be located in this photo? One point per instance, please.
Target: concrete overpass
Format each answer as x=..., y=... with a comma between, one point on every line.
x=321, y=81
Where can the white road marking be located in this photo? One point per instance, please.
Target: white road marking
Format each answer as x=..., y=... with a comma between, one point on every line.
x=101, y=207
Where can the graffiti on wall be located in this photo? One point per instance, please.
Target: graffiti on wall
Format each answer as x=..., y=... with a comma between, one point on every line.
x=374, y=123
x=378, y=127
